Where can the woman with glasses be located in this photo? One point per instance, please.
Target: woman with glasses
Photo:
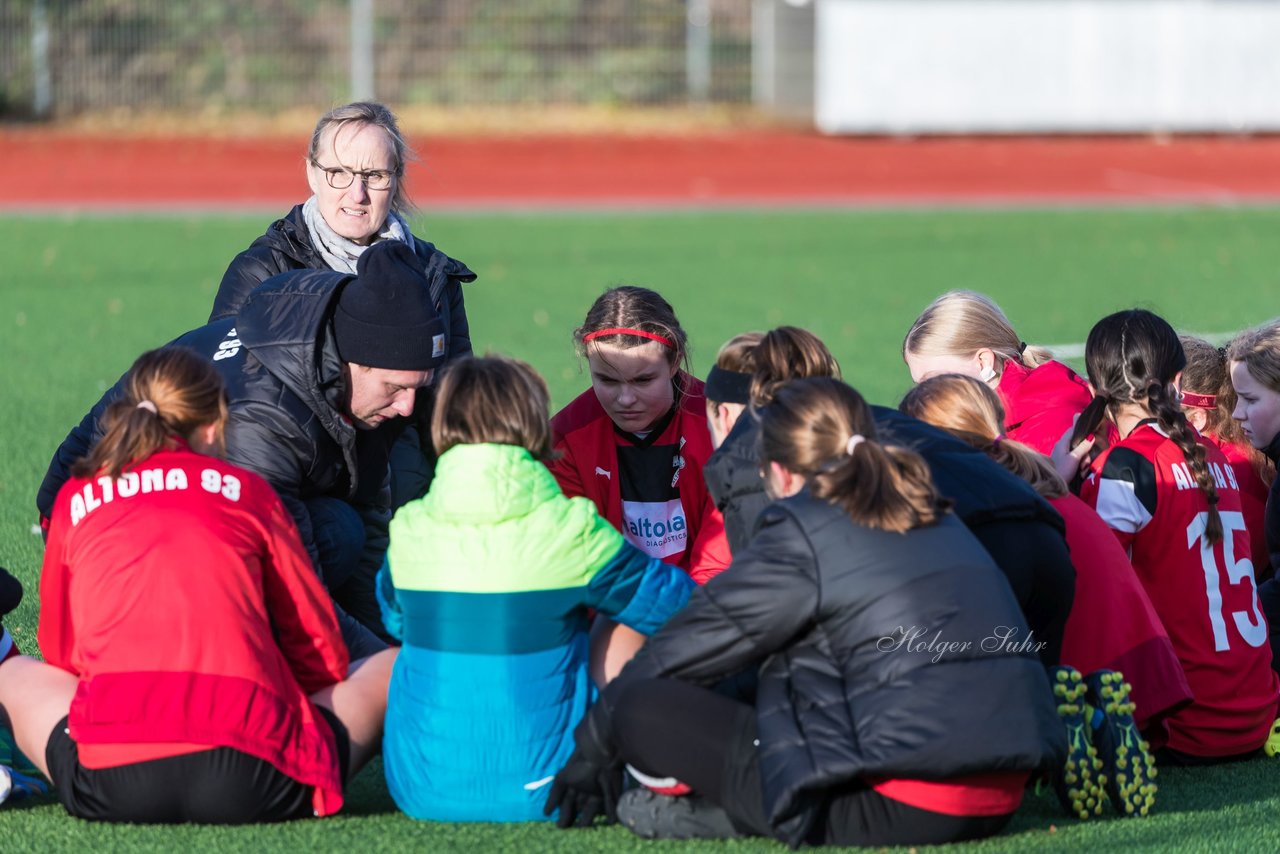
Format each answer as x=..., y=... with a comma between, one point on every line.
x=355, y=168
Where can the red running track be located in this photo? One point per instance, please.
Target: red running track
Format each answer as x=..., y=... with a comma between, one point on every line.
x=51, y=170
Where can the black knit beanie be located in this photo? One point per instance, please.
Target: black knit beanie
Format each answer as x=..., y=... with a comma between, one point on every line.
x=384, y=317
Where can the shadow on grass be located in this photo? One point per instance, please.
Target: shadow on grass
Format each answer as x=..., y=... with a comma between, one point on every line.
x=368, y=794
x=1194, y=806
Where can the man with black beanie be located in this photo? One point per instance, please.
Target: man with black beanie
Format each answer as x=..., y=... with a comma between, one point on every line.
x=315, y=362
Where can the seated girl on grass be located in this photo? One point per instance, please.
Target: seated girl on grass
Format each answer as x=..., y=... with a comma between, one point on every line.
x=1166, y=494
x=193, y=668
x=746, y=367
x=1022, y=533
x=635, y=444
x=1254, y=364
x=488, y=581
x=1113, y=628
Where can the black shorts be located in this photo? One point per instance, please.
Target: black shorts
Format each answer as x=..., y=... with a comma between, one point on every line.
x=219, y=786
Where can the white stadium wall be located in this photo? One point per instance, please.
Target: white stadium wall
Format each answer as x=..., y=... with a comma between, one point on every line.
x=1017, y=66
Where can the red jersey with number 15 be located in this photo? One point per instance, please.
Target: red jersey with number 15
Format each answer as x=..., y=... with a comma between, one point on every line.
x=1205, y=595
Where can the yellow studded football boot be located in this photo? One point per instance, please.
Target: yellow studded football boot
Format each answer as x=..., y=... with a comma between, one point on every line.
x=1080, y=786
x=1127, y=762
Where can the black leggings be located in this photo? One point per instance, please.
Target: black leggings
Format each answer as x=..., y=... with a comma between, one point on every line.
x=673, y=729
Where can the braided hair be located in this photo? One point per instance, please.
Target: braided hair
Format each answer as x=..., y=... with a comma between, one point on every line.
x=1133, y=357
x=1208, y=373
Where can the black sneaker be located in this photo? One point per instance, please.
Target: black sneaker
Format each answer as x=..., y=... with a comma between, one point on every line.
x=1126, y=759
x=1079, y=786
x=653, y=816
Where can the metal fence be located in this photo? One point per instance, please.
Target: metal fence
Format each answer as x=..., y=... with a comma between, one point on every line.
x=69, y=57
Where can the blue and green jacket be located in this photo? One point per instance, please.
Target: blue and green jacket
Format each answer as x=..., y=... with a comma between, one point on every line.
x=488, y=582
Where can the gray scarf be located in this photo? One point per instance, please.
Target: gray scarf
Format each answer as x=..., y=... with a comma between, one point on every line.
x=340, y=253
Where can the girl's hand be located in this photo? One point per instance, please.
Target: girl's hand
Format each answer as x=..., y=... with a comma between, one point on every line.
x=1070, y=461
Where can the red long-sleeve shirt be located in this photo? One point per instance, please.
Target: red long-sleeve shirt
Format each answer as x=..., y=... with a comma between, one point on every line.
x=182, y=597
x=1041, y=402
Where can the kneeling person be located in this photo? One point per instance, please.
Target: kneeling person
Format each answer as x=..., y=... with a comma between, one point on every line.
x=314, y=364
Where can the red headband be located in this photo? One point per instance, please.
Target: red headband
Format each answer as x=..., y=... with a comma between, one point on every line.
x=1199, y=401
x=625, y=330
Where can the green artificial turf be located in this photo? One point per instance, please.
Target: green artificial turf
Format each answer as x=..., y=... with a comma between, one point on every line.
x=81, y=297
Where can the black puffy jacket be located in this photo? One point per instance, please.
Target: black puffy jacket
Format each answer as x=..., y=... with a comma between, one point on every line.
x=733, y=478
x=879, y=654
x=286, y=245
x=285, y=392
x=1021, y=530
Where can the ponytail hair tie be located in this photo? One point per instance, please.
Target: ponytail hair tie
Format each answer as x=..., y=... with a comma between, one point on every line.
x=854, y=441
x=995, y=443
x=149, y=406
x=1022, y=347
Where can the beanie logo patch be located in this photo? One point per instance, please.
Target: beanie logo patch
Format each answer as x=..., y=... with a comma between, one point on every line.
x=437, y=346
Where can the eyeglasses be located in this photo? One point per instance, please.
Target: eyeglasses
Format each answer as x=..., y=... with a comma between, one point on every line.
x=340, y=178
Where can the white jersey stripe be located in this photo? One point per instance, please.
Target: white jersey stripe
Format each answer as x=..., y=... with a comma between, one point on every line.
x=1119, y=506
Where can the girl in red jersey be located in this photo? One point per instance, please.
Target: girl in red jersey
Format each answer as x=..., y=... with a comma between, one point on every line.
x=962, y=332
x=193, y=669
x=1113, y=626
x=1167, y=495
x=636, y=441
x=1254, y=364
x=1207, y=400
